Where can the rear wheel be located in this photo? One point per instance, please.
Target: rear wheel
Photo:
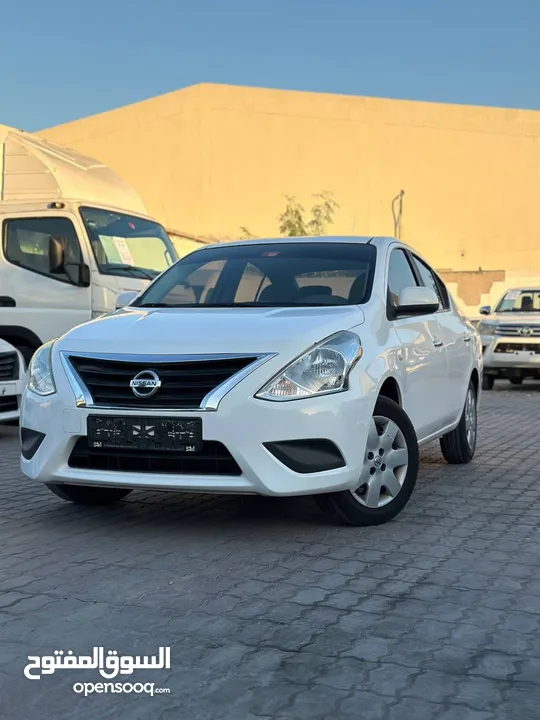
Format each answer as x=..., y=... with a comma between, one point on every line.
x=88, y=495
x=516, y=380
x=487, y=382
x=458, y=446
x=389, y=473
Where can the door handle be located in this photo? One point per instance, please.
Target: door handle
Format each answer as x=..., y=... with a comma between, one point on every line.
x=7, y=301
x=467, y=338
x=437, y=342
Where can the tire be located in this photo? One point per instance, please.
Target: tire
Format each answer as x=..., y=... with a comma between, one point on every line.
x=351, y=507
x=488, y=381
x=516, y=380
x=458, y=447
x=87, y=495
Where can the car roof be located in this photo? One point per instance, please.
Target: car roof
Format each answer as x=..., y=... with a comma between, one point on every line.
x=354, y=239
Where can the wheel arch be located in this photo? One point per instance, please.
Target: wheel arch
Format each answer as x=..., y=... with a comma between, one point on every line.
x=475, y=379
x=391, y=390
x=26, y=341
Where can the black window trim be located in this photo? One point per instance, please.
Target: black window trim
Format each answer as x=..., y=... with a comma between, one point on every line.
x=443, y=292
x=391, y=311
x=6, y=221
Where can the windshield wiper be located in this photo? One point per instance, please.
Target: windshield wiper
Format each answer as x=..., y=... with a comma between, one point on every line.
x=131, y=269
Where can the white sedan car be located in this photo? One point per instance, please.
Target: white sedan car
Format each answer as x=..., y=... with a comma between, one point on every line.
x=12, y=381
x=274, y=367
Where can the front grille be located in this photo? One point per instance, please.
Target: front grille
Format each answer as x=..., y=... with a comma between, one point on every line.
x=510, y=347
x=8, y=404
x=184, y=384
x=9, y=366
x=213, y=459
x=517, y=330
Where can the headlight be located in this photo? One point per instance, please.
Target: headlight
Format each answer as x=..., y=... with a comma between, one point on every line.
x=322, y=369
x=40, y=374
x=486, y=328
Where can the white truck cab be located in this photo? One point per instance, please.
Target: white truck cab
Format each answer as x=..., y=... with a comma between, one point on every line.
x=74, y=236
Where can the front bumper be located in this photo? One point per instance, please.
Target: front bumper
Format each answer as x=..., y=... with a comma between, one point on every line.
x=242, y=424
x=520, y=354
x=10, y=399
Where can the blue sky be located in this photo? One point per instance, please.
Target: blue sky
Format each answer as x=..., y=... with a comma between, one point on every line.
x=63, y=59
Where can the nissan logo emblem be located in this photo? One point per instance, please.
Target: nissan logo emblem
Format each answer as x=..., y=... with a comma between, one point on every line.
x=145, y=384
x=525, y=331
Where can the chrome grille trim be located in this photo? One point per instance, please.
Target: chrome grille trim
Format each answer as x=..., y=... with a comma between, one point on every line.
x=209, y=403
x=515, y=330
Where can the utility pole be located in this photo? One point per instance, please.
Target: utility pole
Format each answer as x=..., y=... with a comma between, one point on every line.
x=397, y=201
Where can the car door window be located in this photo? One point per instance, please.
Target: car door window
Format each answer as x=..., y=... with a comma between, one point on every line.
x=430, y=280
x=26, y=244
x=400, y=275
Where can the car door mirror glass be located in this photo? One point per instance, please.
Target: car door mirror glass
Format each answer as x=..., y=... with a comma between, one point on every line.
x=417, y=301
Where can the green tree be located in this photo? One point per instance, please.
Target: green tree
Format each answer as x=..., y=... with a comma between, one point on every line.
x=293, y=222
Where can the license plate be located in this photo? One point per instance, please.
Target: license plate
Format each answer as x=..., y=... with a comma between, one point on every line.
x=144, y=433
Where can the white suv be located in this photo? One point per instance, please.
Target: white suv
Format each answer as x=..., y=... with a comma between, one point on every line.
x=275, y=367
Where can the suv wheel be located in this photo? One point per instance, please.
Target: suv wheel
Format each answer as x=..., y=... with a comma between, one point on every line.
x=488, y=381
x=389, y=473
x=458, y=446
x=88, y=495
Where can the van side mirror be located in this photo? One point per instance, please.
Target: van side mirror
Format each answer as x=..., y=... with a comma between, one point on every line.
x=56, y=255
x=485, y=310
x=78, y=274
x=125, y=298
x=417, y=301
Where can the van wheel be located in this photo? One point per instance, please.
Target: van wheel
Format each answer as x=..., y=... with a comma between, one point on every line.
x=88, y=495
x=389, y=473
x=488, y=381
x=458, y=446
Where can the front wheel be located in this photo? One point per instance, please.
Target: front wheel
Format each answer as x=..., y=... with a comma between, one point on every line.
x=458, y=446
x=389, y=473
x=87, y=495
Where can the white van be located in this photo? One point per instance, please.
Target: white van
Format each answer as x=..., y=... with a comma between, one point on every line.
x=74, y=236
x=12, y=381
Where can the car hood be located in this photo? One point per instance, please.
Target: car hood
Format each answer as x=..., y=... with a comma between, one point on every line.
x=513, y=318
x=5, y=346
x=210, y=330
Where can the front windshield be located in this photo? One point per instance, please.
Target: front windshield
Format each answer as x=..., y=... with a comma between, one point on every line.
x=520, y=301
x=267, y=274
x=127, y=245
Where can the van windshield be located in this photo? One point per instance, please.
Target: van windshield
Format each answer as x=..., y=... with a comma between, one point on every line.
x=288, y=274
x=127, y=245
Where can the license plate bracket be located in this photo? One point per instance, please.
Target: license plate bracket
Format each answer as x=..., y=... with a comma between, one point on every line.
x=144, y=433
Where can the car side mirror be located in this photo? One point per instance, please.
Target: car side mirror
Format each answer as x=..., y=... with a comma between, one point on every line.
x=125, y=298
x=56, y=254
x=485, y=310
x=417, y=301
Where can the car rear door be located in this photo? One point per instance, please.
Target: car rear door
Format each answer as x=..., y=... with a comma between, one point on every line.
x=422, y=358
x=456, y=335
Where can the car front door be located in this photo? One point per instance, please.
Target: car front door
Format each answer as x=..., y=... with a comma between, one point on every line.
x=422, y=358
x=456, y=335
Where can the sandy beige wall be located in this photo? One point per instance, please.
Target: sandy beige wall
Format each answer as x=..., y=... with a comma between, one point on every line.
x=209, y=159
